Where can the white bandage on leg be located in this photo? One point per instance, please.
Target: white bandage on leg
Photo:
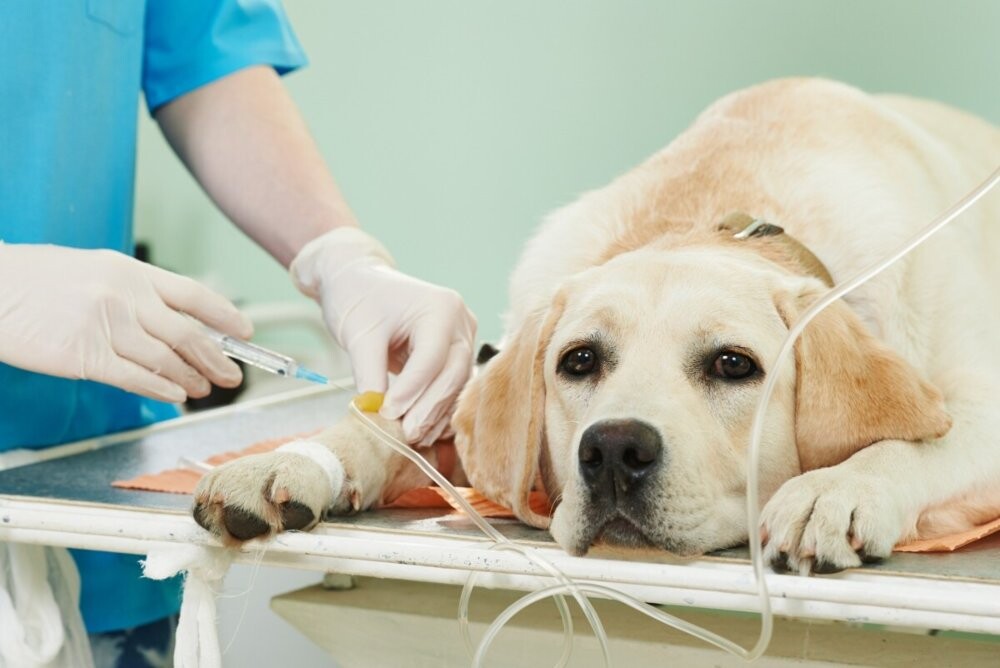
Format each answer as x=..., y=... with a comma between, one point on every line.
x=321, y=455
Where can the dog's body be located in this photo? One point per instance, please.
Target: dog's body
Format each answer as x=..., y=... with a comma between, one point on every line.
x=640, y=328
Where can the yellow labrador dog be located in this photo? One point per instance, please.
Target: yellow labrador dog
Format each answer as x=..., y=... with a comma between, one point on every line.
x=644, y=316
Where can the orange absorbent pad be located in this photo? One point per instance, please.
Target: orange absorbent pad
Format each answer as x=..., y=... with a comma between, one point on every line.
x=184, y=481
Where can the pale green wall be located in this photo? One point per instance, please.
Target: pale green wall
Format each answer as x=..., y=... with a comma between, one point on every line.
x=453, y=127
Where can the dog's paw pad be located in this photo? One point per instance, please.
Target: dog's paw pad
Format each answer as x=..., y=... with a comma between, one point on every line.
x=779, y=562
x=243, y=525
x=824, y=567
x=867, y=558
x=295, y=516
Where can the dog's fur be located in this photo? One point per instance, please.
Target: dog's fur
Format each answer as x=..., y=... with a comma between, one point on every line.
x=883, y=430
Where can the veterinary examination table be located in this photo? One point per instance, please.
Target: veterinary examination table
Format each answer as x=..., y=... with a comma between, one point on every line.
x=408, y=565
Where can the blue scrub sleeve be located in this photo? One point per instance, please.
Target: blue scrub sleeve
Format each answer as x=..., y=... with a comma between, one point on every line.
x=190, y=43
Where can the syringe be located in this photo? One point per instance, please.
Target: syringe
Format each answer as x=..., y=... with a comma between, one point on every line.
x=265, y=359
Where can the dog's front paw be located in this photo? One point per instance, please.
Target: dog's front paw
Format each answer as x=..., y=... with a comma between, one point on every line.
x=827, y=520
x=259, y=495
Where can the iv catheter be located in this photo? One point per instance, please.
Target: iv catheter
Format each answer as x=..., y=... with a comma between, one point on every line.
x=265, y=359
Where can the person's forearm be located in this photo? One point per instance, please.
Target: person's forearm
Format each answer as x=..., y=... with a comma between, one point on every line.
x=245, y=142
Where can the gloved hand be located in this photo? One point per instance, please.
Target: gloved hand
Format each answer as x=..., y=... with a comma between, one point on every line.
x=103, y=316
x=389, y=321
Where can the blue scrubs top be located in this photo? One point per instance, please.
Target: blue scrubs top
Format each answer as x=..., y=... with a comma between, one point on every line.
x=70, y=76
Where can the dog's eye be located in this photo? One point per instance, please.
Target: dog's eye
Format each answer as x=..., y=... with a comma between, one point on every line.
x=578, y=362
x=733, y=366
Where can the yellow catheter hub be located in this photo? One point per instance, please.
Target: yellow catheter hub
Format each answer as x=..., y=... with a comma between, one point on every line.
x=369, y=402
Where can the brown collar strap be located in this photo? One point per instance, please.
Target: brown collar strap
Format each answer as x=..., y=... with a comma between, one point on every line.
x=745, y=227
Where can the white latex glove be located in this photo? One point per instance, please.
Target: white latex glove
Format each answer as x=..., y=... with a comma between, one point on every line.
x=389, y=321
x=103, y=316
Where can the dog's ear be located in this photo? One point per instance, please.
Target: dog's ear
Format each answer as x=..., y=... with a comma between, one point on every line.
x=851, y=389
x=499, y=421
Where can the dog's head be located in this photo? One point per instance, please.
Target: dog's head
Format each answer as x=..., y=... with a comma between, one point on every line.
x=630, y=399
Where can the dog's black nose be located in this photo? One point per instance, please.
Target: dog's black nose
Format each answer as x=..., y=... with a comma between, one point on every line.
x=617, y=456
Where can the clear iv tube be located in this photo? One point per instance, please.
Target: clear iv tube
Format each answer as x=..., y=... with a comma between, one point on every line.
x=501, y=542
x=566, y=585
x=832, y=295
